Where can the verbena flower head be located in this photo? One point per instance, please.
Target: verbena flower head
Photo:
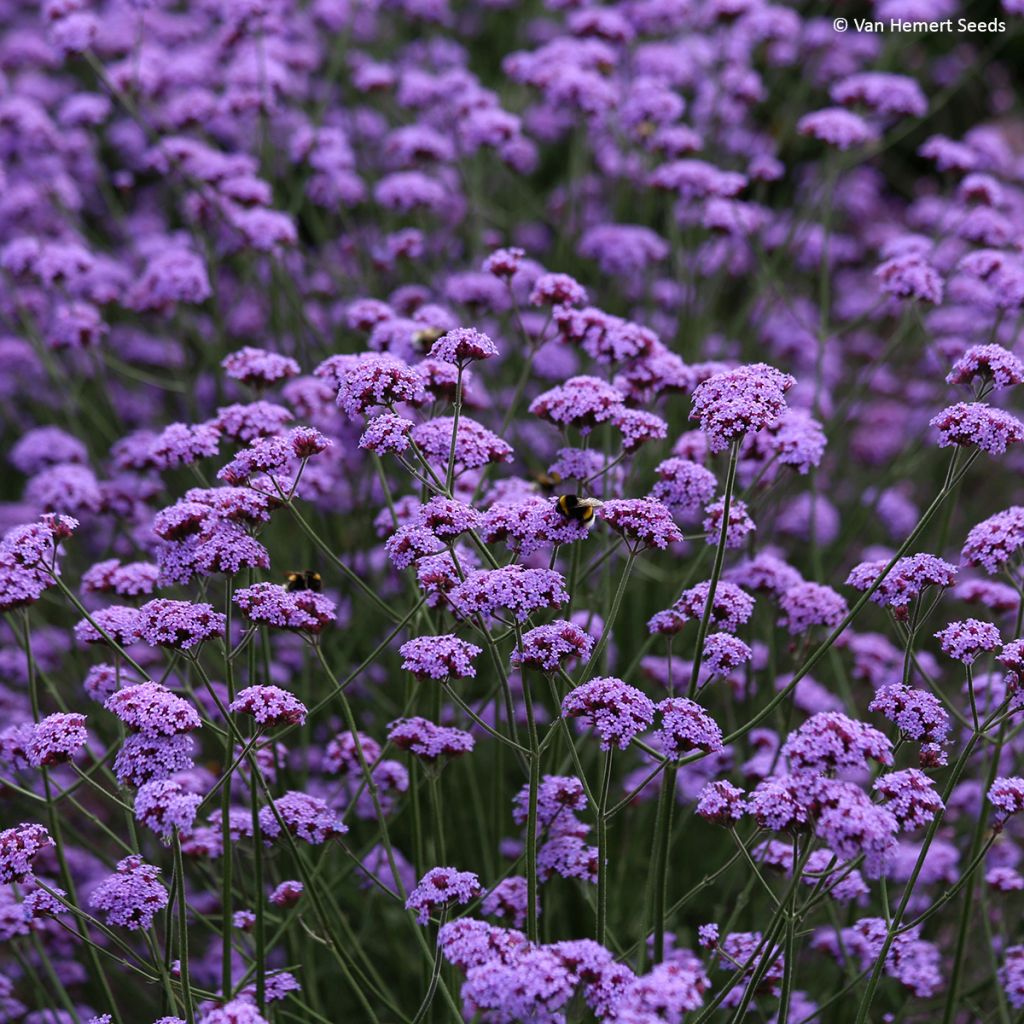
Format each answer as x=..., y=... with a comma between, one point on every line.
x=513, y=589
x=806, y=605
x=918, y=714
x=685, y=487
x=907, y=580
x=305, y=816
x=428, y=741
x=462, y=346
x=724, y=653
x=840, y=128
x=179, y=624
x=730, y=609
x=738, y=402
x=616, y=711
x=56, y=738
x=439, y=657
x=153, y=709
x=969, y=638
x=989, y=363
x=269, y=706
x=909, y=795
x=643, y=522
x=439, y=888
x=722, y=803
x=132, y=896
x=994, y=541
x=685, y=726
x=738, y=529
x=376, y=381
x=19, y=847
x=581, y=402
x=301, y=611
x=546, y=647
x=975, y=423
x=258, y=367
x=165, y=806
x=1006, y=794
x=830, y=741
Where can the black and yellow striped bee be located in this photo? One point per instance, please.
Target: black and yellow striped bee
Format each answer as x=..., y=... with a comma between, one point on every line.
x=547, y=482
x=307, y=579
x=581, y=510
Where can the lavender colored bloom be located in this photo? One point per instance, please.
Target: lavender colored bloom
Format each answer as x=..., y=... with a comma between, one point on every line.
x=475, y=445
x=181, y=444
x=507, y=900
x=616, y=711
x=439, y=657
x=894, y=95
x=724, y=653
x=907, y=579
x=287, y=894
x=738, y=402
x=994, y=541
x=178, y=624
x=910, y=796
x=685, y=727
x=259, y=368
x=302, y=611
x=685, y=487
x=1006, y=794
x=164, y=806
x=439, y=888
x=739, y=528
x=462, y=346
x=387, y=434
x=306, y=817
x=513, y=589
x=56, y=738
x=132, y=896
x=806, y=605
x=145, y=757
x=910, y=276
x=448, y=519
x=269, y=706
x=731, y=608
x=967, y=639
x=722, y=803
x=918, y=715
x=837, y=127
x=989, y=363
x=427, y=740
x=131, y=580
x=829, y=741
x=643, y=522
x=975, y=423
x=19, y=846
x=546, y=647
x=581, y=402
x=379, y=380
x=557, y=290
x=152, y=709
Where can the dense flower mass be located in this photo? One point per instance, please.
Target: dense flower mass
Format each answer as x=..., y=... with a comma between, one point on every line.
x=512, y=512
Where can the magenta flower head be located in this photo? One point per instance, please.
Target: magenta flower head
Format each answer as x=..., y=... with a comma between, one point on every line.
x=269, y=706
x=739, y=528
x=306, y=817
x=546, y=647
x=152, y=709
x=616, y=711
x=685, y=487
x=504, y=263
x=975, y=423
x=475, y=445
x=724, y=653
x=387, y=434
x=379, y=380
x=19, y=847
x=301, y=611
x=991, y=364
x=146, y=756
x=994, y=541
x=439, y=657
x=685, y=727
x=56, y=738
x=910, y=276
x=644, y=523
x=512, y=589
x=179, y=624
x=731, y=608
x=837, y=127
x=721, y=803
x=132, y=896
x=738, y=402
x=287, y=894
x=447, y=519
x=830, y=740
x=907, y=579
x=428, y=741
x=118, y=623
x=910, y=796
x=439, y=888
x=165, y=806
x=918, y=714
x=806, y=605
x=1006, y=794
x=557, y=290
x=967, y=639
x=581, y=402
x=462, y=346
x=259, y=368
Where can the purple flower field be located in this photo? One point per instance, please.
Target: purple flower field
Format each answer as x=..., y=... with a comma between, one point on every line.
x=512, y=513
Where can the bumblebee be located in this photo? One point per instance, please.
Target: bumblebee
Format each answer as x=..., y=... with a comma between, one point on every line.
x=426, y=336
x=305, y=580
x=581, y=510
x=547, y=482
